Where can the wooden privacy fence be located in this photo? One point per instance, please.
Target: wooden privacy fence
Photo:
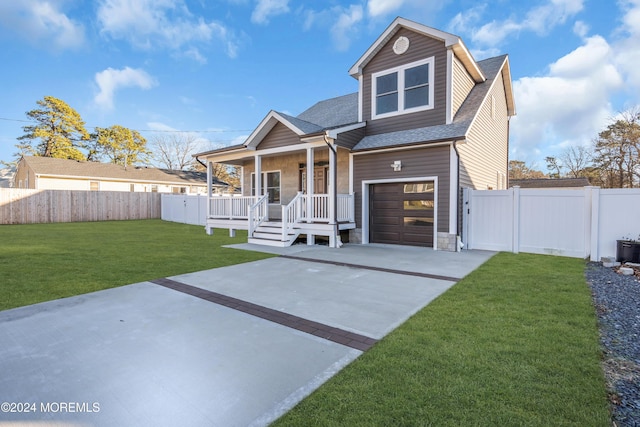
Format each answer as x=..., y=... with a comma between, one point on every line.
x=576, y=223
x=22, y=206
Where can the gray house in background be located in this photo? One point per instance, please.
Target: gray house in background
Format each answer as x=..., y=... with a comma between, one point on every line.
x=47, y=173
x=386, y=164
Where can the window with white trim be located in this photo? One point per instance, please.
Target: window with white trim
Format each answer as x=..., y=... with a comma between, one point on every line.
x=270, y=183
x=404, y=89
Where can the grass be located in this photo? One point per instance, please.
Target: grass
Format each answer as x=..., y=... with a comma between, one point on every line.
x=515, y=343
x=42, y=262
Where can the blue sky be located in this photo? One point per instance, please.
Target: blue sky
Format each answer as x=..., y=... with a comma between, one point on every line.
x=216, y=68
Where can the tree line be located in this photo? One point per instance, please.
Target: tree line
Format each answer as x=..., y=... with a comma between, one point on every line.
x=612, y=160
x=59, y=131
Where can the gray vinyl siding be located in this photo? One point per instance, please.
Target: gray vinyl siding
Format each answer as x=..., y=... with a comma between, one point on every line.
x=462, y=85
x=351, y=138
x=279, y=136
x=421, y=47
x=417, y=162
x=485, y=153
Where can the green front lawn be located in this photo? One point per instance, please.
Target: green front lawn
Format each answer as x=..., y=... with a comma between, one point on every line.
x=42, y=262
x=513, y=344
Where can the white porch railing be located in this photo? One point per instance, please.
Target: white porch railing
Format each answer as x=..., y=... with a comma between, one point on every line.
x=346, y=208
x=238, y=207
x=258, y=213
x=230, y=207
x=292, y=214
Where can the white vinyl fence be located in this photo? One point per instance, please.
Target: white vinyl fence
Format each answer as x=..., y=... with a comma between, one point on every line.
x=576, y=223
x=187, y=209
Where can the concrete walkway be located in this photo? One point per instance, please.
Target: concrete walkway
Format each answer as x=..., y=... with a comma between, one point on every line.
x=232, y=346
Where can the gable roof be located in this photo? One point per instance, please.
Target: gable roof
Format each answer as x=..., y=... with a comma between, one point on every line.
x=451, y=41
x=457, y=130
x=334, y=112
x=324, y=115
x=93, y=170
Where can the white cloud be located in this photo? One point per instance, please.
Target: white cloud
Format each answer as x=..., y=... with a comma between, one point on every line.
x=540, y=20
x=111, y=80
x=161, y=127
x=342, y=23
x=581, y=29
x=265, y=9
x=377, y=8
x=627, y=46
x=345, y=26
x=42, y=22
x=569, y=105
x=150, y=24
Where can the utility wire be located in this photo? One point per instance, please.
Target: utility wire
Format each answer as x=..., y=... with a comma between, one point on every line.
x=149, y=130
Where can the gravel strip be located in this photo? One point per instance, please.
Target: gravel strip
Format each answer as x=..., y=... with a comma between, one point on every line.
x=617, y=302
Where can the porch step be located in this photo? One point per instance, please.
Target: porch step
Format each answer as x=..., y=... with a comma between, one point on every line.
x=270, y=234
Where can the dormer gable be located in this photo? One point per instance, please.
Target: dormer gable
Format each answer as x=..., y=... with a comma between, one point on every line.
x=407, y=78
x=451, y=41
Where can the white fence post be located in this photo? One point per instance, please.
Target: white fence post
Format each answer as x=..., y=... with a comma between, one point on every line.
x=595, y=223
x=515, y=237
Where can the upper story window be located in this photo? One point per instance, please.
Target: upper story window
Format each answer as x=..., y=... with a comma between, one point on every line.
x=403, y=89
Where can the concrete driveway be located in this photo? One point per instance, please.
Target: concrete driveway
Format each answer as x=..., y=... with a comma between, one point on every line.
x=232, y=346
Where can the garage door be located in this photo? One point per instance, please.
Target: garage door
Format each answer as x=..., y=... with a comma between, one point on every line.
x=402, y=213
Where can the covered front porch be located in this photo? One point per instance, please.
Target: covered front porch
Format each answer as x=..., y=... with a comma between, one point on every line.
x=283, y=198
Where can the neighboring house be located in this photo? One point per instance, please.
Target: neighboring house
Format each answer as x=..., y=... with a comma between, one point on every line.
x=47, y=173
x=550, y=183
x=386, y=164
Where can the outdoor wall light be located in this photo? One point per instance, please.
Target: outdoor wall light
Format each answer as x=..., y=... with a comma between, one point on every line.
x=396, y=165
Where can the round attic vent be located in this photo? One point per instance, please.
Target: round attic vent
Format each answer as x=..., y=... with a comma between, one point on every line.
x=401, y=45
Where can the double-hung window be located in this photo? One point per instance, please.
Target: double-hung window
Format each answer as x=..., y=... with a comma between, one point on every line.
x=403, y=89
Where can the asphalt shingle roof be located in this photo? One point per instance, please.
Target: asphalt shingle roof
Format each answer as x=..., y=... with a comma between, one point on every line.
x=81, y=169
x=303, y=125
x=549, y=182
x=333, y=113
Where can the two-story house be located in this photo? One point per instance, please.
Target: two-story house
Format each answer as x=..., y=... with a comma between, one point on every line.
x=386, y=164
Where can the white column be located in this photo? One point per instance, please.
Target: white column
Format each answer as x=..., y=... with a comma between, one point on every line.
x=207, y=228
x=333, y=193
x=334, y=240
x=311, y=240
x=257, y=185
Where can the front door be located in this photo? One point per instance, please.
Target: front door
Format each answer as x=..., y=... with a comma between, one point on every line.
x=320, y=180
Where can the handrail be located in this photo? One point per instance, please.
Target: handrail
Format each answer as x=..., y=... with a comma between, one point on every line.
x=258, y=213
x=291, y=214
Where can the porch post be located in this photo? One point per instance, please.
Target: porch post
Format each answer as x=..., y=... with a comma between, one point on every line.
x=310, y=186
x=258, y=176
x=334, y=241
x=208, y=229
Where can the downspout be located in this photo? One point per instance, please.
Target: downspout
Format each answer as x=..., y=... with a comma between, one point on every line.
x=199, y=161
x=336, y=231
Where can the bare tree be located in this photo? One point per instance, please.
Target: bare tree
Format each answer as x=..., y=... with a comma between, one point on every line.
x=174, y=150
x=576, y=159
